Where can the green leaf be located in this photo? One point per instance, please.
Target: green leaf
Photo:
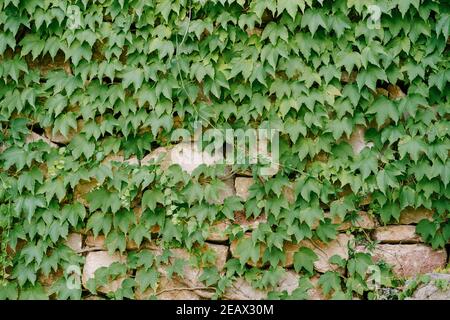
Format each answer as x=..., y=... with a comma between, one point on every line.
x=304, y=258
x=150, y=198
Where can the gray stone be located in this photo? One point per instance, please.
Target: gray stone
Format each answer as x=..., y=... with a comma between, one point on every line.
x=431, y=291
x=396, y=234
x=98, y=259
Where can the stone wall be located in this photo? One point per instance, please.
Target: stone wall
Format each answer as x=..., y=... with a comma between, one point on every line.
x=398, y=245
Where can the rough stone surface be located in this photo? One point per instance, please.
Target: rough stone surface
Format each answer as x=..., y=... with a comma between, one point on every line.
x=82, y=189
x=57, y=137
x=185, y=287
x=241, y=289
x=74, y=241
x=189, y=156
x=413, y=216
x=315, y=293
x=339, y=246
x=33, y=137
x=364, y=221
x=98, y=243
x=226, y=191
x=96, y=260
x=248, y=223
x=409, y=260
x=218, y=231
x=242, y=185
x=357, y=140
x=431, y=291
x=396, y=234
x=289, y=193
x=95, y=242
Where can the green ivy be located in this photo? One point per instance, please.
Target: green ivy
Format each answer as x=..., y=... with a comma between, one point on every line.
x=121, y=76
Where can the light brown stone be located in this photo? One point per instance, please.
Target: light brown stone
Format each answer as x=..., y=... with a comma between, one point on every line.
x=364, y=221
x=225, y=192
x=191, y=274
x=74, y=241
x=242, y=185
x=413, y=216
x=58, y=137
x=357, y=140
x=325, y=251
x=396, y=234
x=189, y=156
x=316, y=293
x=98, y=243
x=241, y=289
x=339, y=247
x=248, y=223
x=33, y=137
x=82, y=189
x=395, y=92
x=95, y=242
x=218, y=231
x=289, y=193
x=409, y=260
x=98, y=259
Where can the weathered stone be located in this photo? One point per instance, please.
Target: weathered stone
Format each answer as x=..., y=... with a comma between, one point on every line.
x=190, y=281
x=241, y=289
x=157, y=154
x=98, y=259
x=289, y=193
x=82, y=189
x=74, y=241
x=364, y=221
x=288, y=282
x=218, y=231
x=316, y=293
x=97, y=242
x=325, y=251
x=413, y=216
x=248, y=223
x=409, y=260
x=33, y=137
x=431, y=291
x=51, y=278
x=396, y=234
x=189, y=156
x=357, y=140
x=221, y=253
x=58, y=137
x=169, y=289
x=242, y=185
x=395, y=92
x=226, y=191
x=339, y=246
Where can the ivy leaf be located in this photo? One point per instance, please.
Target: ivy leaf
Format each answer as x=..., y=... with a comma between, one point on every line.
x=133, y=76
x=150, y=198
x=383, y=108
x=304, y=258
x=231, y=205
x=330, y=281
x=413, y=146
x=147, y=278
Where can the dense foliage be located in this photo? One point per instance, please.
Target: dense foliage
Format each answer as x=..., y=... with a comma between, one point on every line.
x=117, y=77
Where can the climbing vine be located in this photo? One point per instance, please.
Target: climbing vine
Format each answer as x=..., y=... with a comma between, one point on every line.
x=85, y=82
